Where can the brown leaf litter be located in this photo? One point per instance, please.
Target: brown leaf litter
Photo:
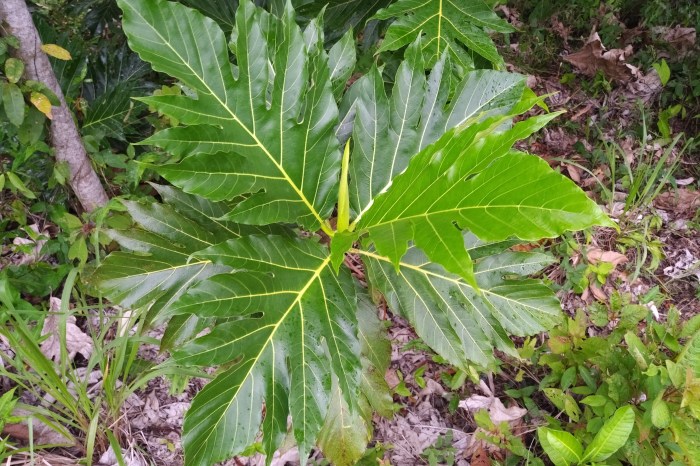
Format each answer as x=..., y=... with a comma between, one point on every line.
x=680, y=39
x=497, y=411
x=593, y=57
x=595, y=255
x=75, y=339
x=682, y=201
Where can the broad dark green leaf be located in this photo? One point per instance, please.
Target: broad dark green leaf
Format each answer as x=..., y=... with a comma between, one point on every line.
x=562, y=448
x=295, y=332
x=13, y=102
x=339, y=16
x=221, y=11
x=341, y=60
x=154, y=268
x=446, y=25
x=471, y=179
x=611, y=437
x=457, y=321
x=264, y=126
x=389, y=131
x=113, y=78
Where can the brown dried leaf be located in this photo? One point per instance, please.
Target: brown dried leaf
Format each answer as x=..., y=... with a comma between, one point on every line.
x=558, y=27
x=391, y=378
x=42, y=434
x=131, y=457
x=480, y=457
x=35, y=254
x=574, y=173
x=511, y=15
x=682, y=39
x=646, y=88
x=76, y=340
x=594, y=57
x=596, y=255
x=682, y=201
x=598, y=293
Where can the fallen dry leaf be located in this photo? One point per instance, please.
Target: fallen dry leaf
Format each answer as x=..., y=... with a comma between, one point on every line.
x=42, y=434
x=594, y=57
x=574, y=173
x=391, y=378
x=35, y=254
x=480, y=457
x=76, y=340
x=598, y=293
x=627, y=146
x=680, y=38
x=682, y=201
x=597, y=255
x=131, y=457
x=497, y=411
x=511, y=15
x=645, y=88
x=558, y=27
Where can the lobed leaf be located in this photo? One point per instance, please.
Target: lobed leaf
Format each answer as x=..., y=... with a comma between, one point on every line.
x=449, y=314
x=264, y=126
x=389, y=131
x=292, y=331
x=446, y=25
x=154, y=267
x=471, y=179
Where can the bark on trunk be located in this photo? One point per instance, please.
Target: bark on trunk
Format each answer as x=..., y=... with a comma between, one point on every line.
x=64, y=134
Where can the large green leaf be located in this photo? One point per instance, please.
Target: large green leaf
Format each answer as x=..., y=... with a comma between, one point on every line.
x=446, y=25
x=264, y=126
x=155, y=261
x=340, y=15
x=389, y=131
x=154, y=267
x=294, y=332
x=345, y=433
x=471, y=178
x=458, y=321
x=611, y=437
x=562, y=448
x=344, y=436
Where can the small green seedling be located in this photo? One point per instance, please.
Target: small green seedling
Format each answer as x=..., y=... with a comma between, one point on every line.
x=564, y=449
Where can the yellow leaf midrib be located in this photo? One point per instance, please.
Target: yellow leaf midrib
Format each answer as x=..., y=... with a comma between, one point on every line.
x=252, y=134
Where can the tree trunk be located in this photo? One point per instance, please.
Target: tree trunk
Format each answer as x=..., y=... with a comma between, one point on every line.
x=65, y=138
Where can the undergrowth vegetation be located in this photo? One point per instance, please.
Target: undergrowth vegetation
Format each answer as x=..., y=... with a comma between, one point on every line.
x=325, y=219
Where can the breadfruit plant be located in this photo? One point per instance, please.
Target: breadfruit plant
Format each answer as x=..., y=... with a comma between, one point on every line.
x=283, y=175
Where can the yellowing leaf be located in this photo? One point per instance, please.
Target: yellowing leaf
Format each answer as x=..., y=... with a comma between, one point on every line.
x=56, y=51
x=13, y=70
x=42, y=103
